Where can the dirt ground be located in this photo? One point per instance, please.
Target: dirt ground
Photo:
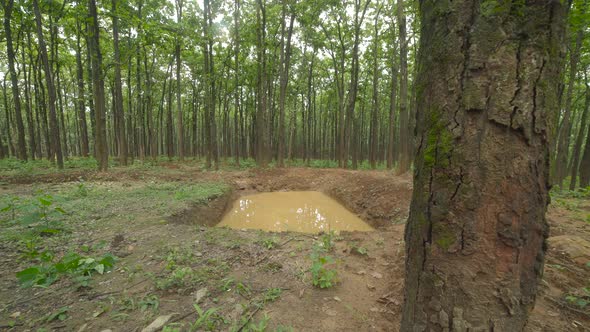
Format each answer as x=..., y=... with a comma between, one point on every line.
x=251, y=280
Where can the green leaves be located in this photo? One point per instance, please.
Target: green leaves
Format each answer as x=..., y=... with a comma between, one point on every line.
x=79, y=268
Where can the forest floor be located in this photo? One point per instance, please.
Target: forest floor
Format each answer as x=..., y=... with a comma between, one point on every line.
x=173, y=268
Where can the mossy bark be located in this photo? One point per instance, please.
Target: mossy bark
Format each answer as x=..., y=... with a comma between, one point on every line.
x=486, y=97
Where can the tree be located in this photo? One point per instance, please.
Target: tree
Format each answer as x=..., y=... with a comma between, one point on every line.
x=53, y=126
x=404, y=133
x=486, y=95
x=81, y=95
x=392, y=98
x=118, y=93
x=565, y=127
x=100, y=139
x=178, y=80
x=8, y=5
x=577, y=152
x=284, y=78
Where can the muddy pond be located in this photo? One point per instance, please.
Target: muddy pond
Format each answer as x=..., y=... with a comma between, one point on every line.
x=293, y=211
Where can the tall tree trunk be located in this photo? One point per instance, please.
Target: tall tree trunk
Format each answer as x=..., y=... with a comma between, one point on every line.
x=28, y=103
x=119, y=113
x=584, y=168
x=237, y=87
x=475, y=237
x=392, y=100
x=262, y=91
x=177, y=47
x=100, y=139
x=373, y=143
x=53, y=127
x=20, y=127
x=354, y=76
x=209, y=68
x=565, y=128
x=404, y=134
x=284, y=79
x=576, y=153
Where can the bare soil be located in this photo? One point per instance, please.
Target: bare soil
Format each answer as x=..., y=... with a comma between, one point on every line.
x=368, y=296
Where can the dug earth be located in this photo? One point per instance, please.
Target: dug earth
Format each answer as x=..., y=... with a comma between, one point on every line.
x=176, y=271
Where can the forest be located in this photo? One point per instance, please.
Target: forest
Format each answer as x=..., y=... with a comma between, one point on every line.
x=219, y=79
x=275, y=81
x=457, y=131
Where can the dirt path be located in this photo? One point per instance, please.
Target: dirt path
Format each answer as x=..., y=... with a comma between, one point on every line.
x=170, y=256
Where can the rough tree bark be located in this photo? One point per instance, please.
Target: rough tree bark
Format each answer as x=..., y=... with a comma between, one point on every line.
x=486, y=97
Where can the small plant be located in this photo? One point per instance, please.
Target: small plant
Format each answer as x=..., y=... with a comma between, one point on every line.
x=269, y=243
x=321, y=275
x=243, y=289
x=149, y=302
x=179, y=277
x=61, y=314
x=327, y=241
x=227, y=284
x=258, y=327
x=82, y=190
x=11, y=207
x=359, y=250
x=580, y=298
x=207, y=320
x=272, y=294
x=79, y=268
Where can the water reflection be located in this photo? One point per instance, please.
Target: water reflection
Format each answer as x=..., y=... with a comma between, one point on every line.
x=298, y=211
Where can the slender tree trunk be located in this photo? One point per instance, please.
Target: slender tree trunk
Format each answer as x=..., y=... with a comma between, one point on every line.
x=20, y=127
x=475, y=237
x=584, y=168
x=237, y=81
x=211, y=127
x=354, y=76
x=119, y=113
x=373, y=143
x=261, y=113
x=100, y=139
x=404, y=134
x=565, y=128
x=284, y=79
x=177, y=48
x=53, y=127
x=576, y=153
x=28, y=103
x=392, y=100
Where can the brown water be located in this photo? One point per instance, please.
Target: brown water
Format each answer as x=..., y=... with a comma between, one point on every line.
x=296, y=211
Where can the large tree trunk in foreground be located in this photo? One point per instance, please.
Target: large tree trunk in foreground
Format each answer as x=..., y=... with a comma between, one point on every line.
x=486, y=98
